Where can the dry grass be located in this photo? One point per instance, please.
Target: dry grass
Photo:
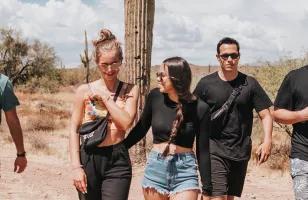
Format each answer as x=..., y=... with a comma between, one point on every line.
x=44, y=118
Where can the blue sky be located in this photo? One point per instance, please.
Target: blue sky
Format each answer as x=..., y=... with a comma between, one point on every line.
x=266, y=29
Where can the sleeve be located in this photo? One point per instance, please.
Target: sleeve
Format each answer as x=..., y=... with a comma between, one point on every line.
x=260, y=99
x=203, y=153
x=199, y=90
x=284, y=98
x=142, y=126
x=8, y=98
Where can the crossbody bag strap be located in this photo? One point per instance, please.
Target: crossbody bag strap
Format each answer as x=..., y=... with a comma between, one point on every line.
x=116, y=94
x=235, y=93
x=118, y=91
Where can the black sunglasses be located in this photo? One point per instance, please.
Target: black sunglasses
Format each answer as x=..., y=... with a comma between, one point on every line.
x=227, y=55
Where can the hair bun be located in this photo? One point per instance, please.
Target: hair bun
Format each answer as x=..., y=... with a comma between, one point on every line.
x=104, y=35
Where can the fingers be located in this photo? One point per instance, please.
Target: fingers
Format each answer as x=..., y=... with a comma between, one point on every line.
x=263, y=157
x=21, y=168
x=259, y=150
x=20, y=164
x=15, y=167
x=81, y=184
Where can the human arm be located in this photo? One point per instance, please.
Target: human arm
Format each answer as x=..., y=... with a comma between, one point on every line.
x=264, y=150
x=203, y=153
x=8, y=103
x=123, y=117
x=284, y=111
x=79, y=176
x=285, y=116
x=142, y=126
x=262, y=105
x=16, y=133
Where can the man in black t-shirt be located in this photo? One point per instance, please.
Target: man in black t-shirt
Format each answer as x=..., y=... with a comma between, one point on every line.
x=291, y=107
x=230, y=142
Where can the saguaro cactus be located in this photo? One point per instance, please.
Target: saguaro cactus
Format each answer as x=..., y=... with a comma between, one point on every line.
x=139, y=20
x=85, y=58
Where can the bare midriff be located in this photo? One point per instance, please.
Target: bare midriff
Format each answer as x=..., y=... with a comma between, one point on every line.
x=173, y=148
x=114, y=136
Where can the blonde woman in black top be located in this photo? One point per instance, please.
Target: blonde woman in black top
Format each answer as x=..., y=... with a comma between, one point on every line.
x=176, y=117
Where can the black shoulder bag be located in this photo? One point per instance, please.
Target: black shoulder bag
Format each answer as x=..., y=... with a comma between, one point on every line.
x=219, y=118
x=94, y=132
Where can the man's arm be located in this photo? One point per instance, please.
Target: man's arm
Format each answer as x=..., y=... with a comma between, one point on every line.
x=264, y=149
x=285, y=116
x=16, y=133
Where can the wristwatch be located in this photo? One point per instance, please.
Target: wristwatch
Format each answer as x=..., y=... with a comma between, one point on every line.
x=22, y=154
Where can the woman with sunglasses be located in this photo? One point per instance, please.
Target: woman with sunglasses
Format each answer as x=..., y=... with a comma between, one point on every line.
x=104, y=172
x=176, y=117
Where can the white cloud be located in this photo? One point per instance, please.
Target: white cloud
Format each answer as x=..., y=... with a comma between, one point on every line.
x=266, y=29
x=60, y=23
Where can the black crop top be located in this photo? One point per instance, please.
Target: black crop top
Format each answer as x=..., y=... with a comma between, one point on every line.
x=160, y=111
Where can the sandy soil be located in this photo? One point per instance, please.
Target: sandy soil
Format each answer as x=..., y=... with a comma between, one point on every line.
x=48, y=177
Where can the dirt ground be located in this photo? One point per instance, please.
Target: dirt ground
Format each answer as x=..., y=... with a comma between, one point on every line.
x=48, y=177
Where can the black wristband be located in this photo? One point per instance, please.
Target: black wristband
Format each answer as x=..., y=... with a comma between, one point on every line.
x=22, y=154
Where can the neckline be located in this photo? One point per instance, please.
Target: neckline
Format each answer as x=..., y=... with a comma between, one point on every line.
x=228, y=81
x=173, y=103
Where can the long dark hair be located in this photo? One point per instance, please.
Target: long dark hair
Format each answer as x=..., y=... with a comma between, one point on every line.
x=180, y=77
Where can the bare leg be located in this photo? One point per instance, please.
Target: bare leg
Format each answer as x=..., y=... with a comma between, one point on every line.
x=216, y=198
x=152, y=194
x=189, y=194
x=230, y=198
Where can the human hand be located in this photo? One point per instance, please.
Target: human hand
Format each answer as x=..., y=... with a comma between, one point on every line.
x=20, y=164
x=80, y=180
x=263, y=152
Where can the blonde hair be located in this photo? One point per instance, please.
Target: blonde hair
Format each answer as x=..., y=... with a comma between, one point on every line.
x=106, y=42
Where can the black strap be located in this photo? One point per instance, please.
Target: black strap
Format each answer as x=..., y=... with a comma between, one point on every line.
x=226, y=106
x=118, y=91
x=116, y=94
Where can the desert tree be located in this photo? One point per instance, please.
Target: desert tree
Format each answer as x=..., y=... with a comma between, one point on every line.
x=21, y=60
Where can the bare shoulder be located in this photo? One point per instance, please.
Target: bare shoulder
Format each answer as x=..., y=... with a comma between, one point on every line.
x=83, y=90
x=130, y=89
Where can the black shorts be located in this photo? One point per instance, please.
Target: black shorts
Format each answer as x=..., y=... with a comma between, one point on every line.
x=228, y=176
x=108, y=171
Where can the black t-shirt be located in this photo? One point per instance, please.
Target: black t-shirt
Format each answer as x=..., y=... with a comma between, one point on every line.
x=293, y=95
x=234, y=141
x=159, y=113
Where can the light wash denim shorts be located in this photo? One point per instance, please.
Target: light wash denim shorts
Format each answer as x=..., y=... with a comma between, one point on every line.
x=171, y=174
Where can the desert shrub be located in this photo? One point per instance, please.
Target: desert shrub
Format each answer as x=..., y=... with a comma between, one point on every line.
x=38, y=122
x=39, y=144
x=77, y=76
x=40, y=85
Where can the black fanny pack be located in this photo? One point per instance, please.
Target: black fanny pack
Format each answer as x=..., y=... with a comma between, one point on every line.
x=94, y=132
x=219, y=118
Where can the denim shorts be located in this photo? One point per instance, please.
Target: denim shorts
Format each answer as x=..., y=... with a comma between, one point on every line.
x=299, y=173
x=171, y=174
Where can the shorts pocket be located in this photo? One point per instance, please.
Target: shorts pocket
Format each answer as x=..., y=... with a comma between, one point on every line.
x=188, y=163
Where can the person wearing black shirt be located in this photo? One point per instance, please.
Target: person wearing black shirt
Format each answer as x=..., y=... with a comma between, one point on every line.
x=176, y=117
x=230, y=142
x=291, y=107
